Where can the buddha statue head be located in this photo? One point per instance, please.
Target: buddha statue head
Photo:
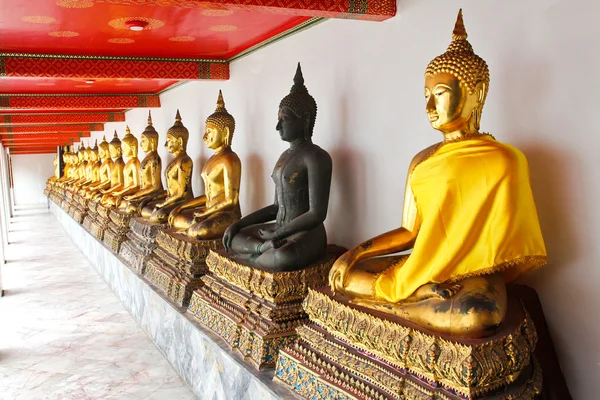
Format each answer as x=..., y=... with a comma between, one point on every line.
x=93, y=151
x=297, y=112
x=103, y=152
x=456, y=85
x=220, y=126
x=80, y=154
x=149, y=139
x=177, y=137
x=129, y=144
x=114, y=147
x=86, y=152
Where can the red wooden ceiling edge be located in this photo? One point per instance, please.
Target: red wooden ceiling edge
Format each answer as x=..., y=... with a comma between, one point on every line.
x=72, y=118
x=371, y=10
x=51, y=128
x=69, y=101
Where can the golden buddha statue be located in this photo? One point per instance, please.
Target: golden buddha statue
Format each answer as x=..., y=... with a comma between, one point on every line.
x=103, y=171
x=89, y=169
x=131, y=172
x=81, y=167
x=178, y=175
x=94, y=165
x=150, y=171
x=469, y=216
x=209, y=215
x=116, y=170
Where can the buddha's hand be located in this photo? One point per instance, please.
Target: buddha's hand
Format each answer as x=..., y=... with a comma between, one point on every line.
x=229, y=234
x=266, y=234
x=339, y=271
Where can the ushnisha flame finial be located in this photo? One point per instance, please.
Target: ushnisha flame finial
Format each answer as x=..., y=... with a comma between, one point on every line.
x=299, y=101
x=460, y=60
x=221, y=118
x=149, y=118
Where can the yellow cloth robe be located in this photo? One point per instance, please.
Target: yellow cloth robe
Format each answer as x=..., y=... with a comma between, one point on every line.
x=477, y=216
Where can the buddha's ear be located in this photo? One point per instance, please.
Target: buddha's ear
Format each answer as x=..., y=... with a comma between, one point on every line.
x=180, y=141
x=480, y=89
x=227, y=134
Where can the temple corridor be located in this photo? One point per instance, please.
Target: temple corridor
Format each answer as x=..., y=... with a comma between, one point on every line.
x=63, y=333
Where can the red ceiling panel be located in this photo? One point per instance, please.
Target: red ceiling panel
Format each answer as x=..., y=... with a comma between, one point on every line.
x=65, y=118
x=10, y=85
x=41, y=26
x=51, y=128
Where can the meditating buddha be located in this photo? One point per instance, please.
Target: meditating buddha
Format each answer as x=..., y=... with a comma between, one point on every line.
x=150, y=171
x=131, y=172
x=302, y=178
x=104, y=171
x=66, y=157
x=469, y=216
x=178, y=175
x=209, y=215
x=116, y=169
x=92, y=169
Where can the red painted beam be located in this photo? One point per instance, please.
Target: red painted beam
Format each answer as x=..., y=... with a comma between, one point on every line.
x=90, y=67
x=70, y=118
x=25, y=152
x=74, y=102
x=371, y=10
x=51, y=128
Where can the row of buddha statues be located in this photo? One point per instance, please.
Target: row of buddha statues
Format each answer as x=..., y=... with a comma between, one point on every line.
x=422, y=311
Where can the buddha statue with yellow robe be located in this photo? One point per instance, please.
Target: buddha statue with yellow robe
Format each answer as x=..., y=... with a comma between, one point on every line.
x=209, y=215
x=440, y=322
x=131, y=172
x=469, y=216
x=94, y=165
x=150, y=172
x=178, y=175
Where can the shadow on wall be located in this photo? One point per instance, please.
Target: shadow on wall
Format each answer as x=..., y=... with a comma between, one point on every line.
x=345, y=215
x=254, y=192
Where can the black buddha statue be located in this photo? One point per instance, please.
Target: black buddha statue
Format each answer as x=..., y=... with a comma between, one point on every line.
x=302, y=179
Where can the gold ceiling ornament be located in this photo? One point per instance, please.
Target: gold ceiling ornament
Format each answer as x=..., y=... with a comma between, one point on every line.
x=75, y=3
x=63, y=34
x=182, y=39
x=217, y=13
x=120, y=23
x=38, y=19
x=223, y=28
x=121, y=40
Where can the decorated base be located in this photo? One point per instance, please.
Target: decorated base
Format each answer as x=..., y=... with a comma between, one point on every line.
x=80, y=209
x=256, y=311
x=349, y=351
x=178, y=264
x=137, y=250
x=100, y=223
x=117, y=229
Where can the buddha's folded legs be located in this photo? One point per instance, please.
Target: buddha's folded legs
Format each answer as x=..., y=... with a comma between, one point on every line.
x=302, y=248
x=184, y=219
x=471, y=308
x=158, y=215
x=212, y=227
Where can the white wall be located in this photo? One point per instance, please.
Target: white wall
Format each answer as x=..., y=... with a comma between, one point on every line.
x=30, y=172
x=367, y=79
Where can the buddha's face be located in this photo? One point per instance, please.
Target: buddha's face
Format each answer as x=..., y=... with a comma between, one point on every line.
x=86, y=155
x=173, y=144
x=449, y=104
x=215, y=137
x=289, y=125
x=80, y=156
x=115, y=151
x=126, y=149
x=93, y=156
x=145, y=144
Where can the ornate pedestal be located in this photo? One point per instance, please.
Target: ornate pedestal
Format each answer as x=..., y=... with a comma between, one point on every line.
x=179, y=263
x=117, y=229
x=80, y=208
x=137, y=250
x=349, y=352
x=256, y=311
x=99, y=223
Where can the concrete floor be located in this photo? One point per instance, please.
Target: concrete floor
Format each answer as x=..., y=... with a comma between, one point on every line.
x=63, y=333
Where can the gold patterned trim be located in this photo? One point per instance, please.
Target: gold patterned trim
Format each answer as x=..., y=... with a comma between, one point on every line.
x=116, y=58
x=465, y=368
x=535, y=262
x=277, y=287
